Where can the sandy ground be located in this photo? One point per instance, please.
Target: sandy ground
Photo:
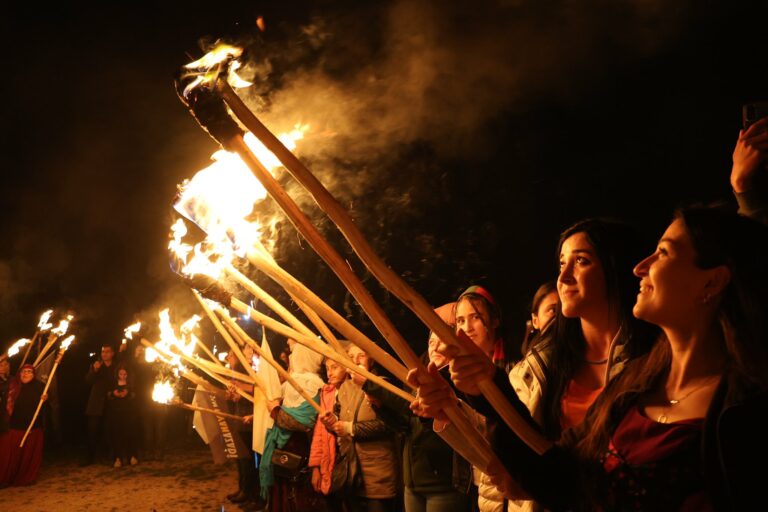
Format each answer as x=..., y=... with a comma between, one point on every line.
x=185, y=480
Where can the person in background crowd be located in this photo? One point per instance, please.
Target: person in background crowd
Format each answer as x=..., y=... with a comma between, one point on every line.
x=248, y=476
x=324, y=453
x=121, y=419
x=373, y=484
x=543, y=310
x=294, y=420
x=21, y=465
x=101, y=378
x=436, y=478
x=479, y=316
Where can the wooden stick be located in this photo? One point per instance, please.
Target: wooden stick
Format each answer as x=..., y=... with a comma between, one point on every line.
x=207, y=386
x=210, y=354
x=29, y=347
x=388, y=278
x=187, y=406
x=264, y=357
x=45, y=390
x=323, y=349
x=222, y=370
x=286, y=315
x=294, y=286
x=234, y=346
x=51, y=340
x=208, y=372
x=267, y=299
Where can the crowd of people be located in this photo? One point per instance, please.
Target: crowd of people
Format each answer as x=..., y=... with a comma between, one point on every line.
x=648, y=373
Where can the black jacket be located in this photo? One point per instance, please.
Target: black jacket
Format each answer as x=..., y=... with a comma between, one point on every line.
x=430, y=465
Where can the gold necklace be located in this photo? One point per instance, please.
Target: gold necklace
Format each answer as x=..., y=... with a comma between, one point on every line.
x=674, y=401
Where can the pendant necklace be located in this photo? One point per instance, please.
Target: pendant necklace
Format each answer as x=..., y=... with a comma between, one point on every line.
x=674, y=401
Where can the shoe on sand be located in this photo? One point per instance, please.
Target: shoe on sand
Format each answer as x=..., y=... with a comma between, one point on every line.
x=134, y=461
x=118, y=463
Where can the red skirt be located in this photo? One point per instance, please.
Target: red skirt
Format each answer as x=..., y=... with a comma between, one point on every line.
x=20, y=466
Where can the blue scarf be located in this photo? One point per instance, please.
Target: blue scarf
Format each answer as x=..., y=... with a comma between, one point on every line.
x=277, y=437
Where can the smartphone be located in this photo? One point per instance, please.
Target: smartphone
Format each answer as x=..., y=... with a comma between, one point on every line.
x=751, y=112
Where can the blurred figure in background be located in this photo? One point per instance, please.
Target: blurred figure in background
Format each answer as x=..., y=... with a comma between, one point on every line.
x=543, y=310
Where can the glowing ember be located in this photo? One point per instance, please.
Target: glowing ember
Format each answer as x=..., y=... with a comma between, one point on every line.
x=43, y=324
x=162, y=392
x=67, y=342
x=14, y=349
x=131, y=330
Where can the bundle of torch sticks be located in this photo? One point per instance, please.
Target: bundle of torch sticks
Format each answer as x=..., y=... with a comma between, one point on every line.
x=204, y=86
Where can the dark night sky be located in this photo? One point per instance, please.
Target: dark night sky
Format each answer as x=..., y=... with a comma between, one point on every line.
x=463, y=140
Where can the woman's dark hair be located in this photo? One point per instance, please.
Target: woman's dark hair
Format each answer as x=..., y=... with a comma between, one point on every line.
x=619, y=247
x=719, y=237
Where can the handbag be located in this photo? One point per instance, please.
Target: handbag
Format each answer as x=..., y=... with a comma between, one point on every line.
x=286, y=463
x=291, y=459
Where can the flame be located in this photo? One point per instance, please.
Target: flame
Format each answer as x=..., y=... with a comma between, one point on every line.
x=217, y=56
x=234, y=79
x=61, y=329
x=151, y=355
x=207, y=68
x=67, y=342
x=43, y=324
x=162, y=392
x=131, y=330
x=223, y=356
x=220, y=199
x=170, y=342
x=14, y=349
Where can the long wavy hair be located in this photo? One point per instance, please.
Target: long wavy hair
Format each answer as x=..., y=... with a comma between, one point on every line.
x=719, y=237
x=619, y=247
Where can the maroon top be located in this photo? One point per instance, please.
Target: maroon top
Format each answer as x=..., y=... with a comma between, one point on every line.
x=656, y=466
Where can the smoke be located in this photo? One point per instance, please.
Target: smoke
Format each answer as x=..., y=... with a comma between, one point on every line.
x=370, y=79
x=403, y=99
